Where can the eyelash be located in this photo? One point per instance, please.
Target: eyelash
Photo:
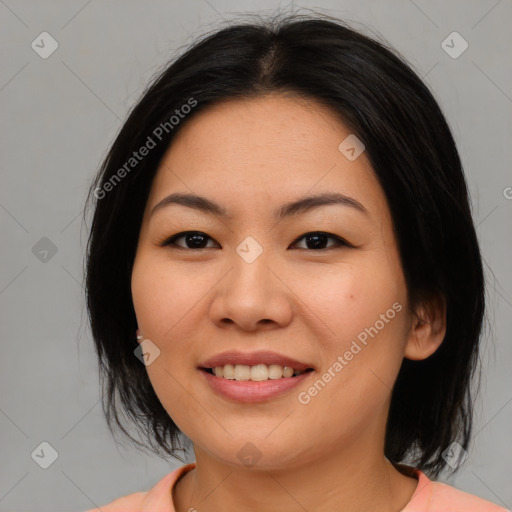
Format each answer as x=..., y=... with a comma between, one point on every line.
x=170, y=241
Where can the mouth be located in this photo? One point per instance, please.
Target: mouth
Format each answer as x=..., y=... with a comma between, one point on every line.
x=255, y=373
x=254, y=366
x=254, y=383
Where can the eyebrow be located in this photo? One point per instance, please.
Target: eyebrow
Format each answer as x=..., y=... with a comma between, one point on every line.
x=292, y=208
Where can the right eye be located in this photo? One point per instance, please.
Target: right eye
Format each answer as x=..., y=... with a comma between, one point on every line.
x=196, y=240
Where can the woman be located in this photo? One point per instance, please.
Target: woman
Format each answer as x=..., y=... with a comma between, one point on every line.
x=283, y=267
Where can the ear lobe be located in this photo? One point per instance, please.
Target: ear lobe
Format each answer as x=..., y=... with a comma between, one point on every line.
x=428, y=329
x=139, y=336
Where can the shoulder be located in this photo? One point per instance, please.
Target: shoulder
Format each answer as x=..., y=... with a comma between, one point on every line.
x=432, y=496
x=130, y=503
x=462, y=501
x=159, y=497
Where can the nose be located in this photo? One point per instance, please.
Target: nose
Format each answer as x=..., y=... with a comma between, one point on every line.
x=252, y=296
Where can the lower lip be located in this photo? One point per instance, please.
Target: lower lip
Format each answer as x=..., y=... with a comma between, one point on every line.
x=251, y=391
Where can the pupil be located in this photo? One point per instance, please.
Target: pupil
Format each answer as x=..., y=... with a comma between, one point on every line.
x=316, y=243
x=196, y=239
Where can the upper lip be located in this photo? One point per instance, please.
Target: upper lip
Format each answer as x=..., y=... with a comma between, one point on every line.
x=253, y=358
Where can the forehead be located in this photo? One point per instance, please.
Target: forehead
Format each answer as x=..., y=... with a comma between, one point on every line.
x=261, y=152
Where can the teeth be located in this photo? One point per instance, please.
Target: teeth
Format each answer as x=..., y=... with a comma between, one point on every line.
x=259, y=372
x=242, y=372
x=275, y=371
x=254, y=373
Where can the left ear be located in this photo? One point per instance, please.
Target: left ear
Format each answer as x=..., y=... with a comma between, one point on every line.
x=428, y=329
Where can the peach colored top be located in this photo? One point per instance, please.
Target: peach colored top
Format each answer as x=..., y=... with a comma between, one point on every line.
x=429, y=496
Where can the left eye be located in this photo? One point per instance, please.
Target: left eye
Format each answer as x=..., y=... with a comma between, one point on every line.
x=315, y=240
x=318, y=239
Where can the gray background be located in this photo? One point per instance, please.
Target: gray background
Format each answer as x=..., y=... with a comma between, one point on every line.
x=59, y=116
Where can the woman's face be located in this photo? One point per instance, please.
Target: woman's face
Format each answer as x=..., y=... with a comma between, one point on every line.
x=252, y=282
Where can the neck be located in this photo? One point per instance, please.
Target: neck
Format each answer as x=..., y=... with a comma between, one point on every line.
x=352, y=480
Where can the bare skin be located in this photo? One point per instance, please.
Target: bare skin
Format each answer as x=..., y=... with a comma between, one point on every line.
x=250, y=157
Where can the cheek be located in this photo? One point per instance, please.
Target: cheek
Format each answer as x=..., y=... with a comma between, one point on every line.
x=163, y=300
x=359, y=313
x=161, y=295
x=367, y=358
x=347, y=299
